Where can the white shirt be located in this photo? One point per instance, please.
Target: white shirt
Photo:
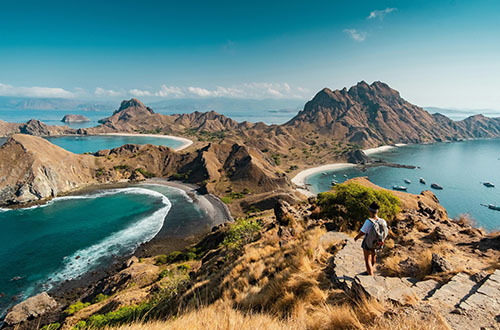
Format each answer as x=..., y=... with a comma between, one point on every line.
x=368, y=224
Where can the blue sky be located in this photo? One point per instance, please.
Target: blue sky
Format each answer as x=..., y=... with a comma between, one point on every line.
x=436, y=53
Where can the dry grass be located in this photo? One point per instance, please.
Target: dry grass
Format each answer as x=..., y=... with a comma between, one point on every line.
x=412, y=320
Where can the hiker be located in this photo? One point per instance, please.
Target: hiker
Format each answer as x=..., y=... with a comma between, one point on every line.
x=375, y=232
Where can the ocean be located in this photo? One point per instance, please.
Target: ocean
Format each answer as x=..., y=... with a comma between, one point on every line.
x=460, y=168
x=70, y=236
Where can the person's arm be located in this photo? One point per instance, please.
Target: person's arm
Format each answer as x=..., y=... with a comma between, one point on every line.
x=359, y=235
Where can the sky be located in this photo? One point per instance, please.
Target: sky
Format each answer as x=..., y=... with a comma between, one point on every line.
x=436, y=53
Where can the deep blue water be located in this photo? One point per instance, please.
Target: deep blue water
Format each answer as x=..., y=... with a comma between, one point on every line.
x=64, y=239
x=93, y=143
x=460, y=168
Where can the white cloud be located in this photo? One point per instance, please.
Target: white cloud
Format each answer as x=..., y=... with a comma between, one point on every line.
x=9, y=90
x=356, y=35
x=139, y=93
x=380, y=14
x=106, y=92
x=167, y=91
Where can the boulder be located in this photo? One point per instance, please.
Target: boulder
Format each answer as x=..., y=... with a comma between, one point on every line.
x=440, y=264
x=30, y=308
x=283, y=212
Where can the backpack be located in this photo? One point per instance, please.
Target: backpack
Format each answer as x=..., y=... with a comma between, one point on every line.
x=375, y=238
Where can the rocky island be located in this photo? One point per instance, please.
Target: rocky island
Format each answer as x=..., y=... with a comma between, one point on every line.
x=74, y=119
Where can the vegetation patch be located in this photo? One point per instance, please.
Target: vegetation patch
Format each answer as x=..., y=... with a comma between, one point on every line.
x=52, y=326
x=348, y=203
x=76, y=307
x=144, y=172
x=244, y=230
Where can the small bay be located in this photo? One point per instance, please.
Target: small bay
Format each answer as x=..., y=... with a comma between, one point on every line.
x=460, y=168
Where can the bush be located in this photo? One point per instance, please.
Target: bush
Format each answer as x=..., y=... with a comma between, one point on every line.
x=99, y=298
x=122, y=315
x=72, y=309
x=161, y=260
x=184, y=267
x=52, y=326
x=350, y=202
x=241, y=232
x=145, y=173
x=81, y=325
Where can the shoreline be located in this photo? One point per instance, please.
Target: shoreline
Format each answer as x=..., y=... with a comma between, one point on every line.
x=186, y=142
x=215, y=212
x=300, y=178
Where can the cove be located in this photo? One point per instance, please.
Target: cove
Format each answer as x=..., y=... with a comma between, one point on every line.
x=45, y=245
x=460, y=167
x=93, y=143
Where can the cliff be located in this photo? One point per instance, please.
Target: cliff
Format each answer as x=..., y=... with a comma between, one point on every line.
x=34, y=169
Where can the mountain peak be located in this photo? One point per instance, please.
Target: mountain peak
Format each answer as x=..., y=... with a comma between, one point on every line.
x=132, y=103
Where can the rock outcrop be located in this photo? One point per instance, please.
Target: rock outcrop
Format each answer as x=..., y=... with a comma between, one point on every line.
x=32, y=168
x=75, y=119
x=30, y=308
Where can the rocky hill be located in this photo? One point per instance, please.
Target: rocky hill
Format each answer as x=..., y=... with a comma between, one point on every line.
x=33, y=169
x=369, y=115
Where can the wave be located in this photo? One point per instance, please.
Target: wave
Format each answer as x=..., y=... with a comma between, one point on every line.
x=179, y=190
x=120, y=243
x=96, y=194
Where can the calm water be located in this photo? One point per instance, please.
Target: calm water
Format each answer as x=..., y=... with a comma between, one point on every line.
x=53, y=117
x=93, y=143
x=72, y=235
x=460, y=168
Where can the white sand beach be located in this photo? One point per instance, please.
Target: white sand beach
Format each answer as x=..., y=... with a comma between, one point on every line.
x=300, y=178
x=186, y=142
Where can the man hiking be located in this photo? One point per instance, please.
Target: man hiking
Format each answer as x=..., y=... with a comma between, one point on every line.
x=375, y=232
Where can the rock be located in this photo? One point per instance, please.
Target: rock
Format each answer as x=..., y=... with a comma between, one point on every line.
x=438, y=234
x=75, y=119
x=450, y=294
x=285, y=234
x=440, y=264
x=487, y=296
x=357, y=157
x=35, y=127
x=32, y=307
x=394, y=289
x=282, y=211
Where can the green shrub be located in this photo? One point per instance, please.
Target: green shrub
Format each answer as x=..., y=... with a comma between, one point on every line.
x=241, y=232
x=72, y=309
x=81, y=325
x=277, y=159
x=164, y=273
x=52, y=326
x=161, y=260
x=145, y=173
x=122, y=167
x=350, y=202
x=226, y=199
x=175, y=256
x=100, y=172
x=99, y=298
x=122, y=315
x=184, y=267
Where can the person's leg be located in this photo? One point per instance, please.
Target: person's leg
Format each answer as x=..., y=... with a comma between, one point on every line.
x=368, y=262
x=374, y=259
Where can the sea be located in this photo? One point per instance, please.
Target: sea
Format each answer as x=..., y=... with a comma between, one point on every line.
x=45, y=245
x=460, y=168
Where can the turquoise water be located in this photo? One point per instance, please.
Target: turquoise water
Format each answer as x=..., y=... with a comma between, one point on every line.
x=70, y=236
x=460, y=168
x=93, y=143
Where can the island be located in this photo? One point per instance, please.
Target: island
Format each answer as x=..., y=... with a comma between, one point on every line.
x=75, y=119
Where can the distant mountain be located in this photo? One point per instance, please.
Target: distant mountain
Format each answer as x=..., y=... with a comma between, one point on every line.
x=13, y=103
x=226, y=105
x=369, y=115
x=459, y=114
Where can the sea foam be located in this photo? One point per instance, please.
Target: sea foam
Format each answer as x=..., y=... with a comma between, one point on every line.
x=118, y=244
